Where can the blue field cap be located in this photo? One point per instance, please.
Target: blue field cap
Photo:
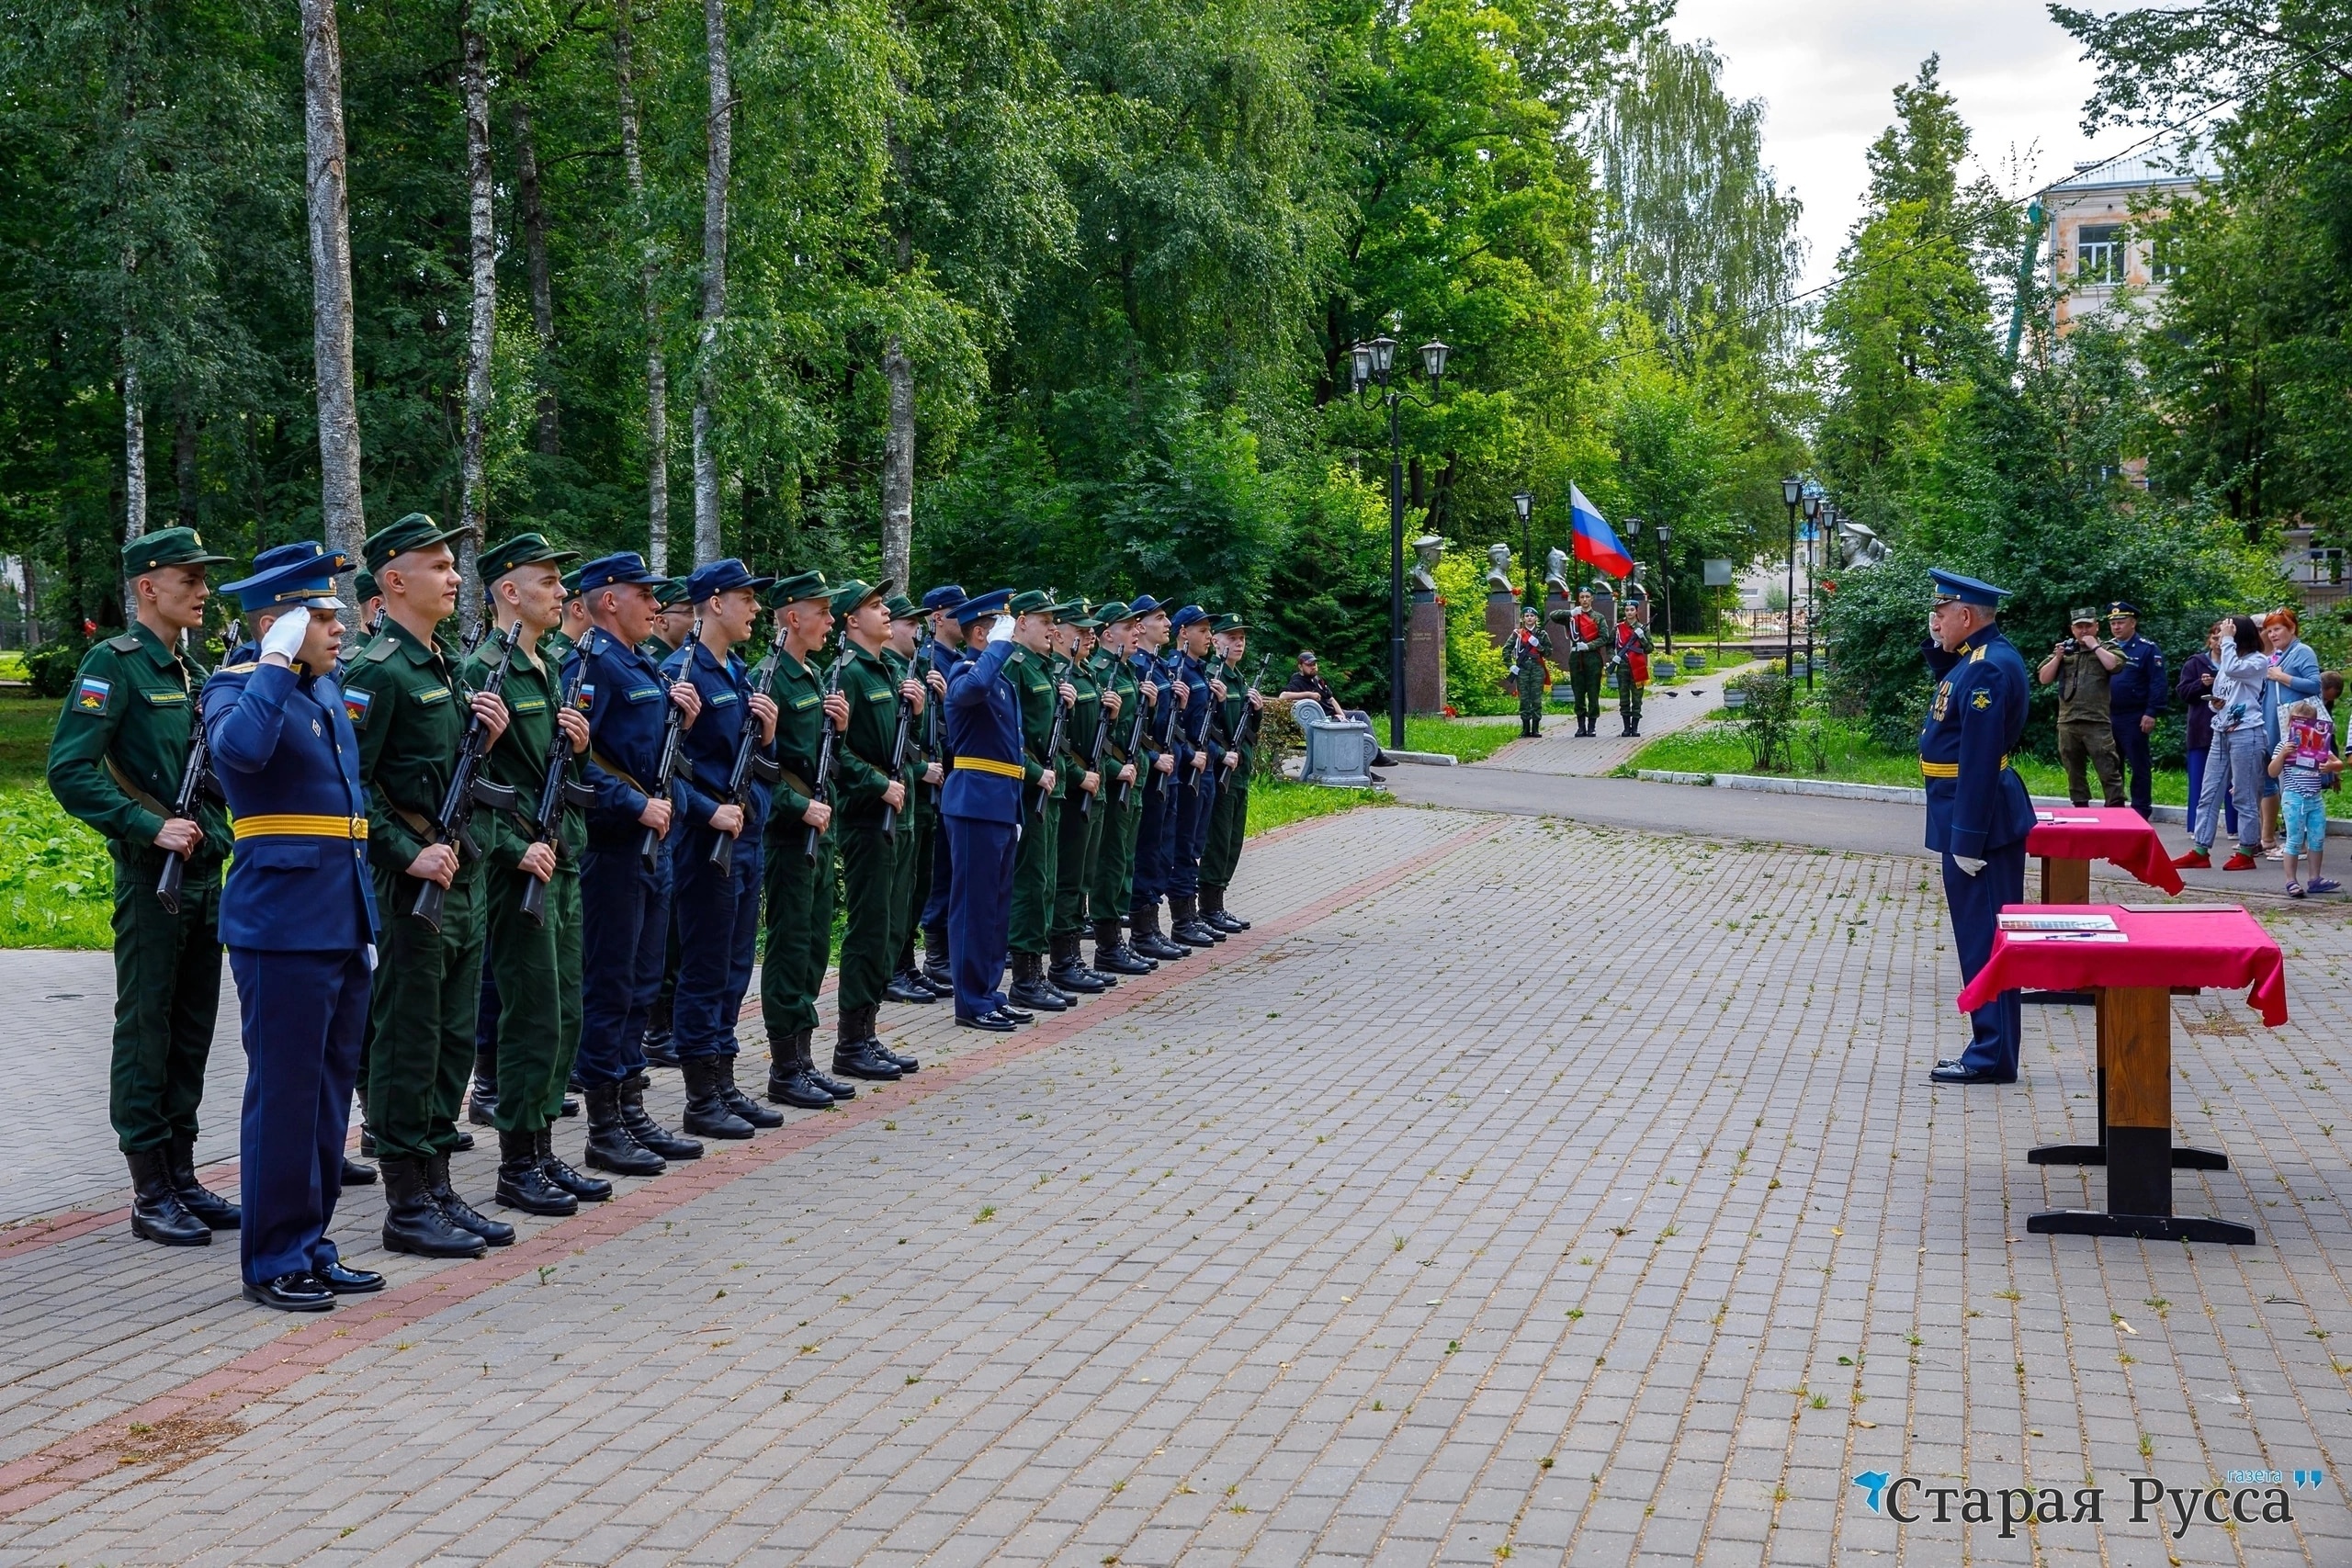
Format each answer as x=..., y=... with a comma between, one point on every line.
x=1187, y=615
x=944, y=597
x=618, y=569
x=719, y=575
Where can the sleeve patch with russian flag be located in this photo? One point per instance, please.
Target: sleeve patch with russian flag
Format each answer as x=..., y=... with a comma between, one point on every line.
x=91, y=693
x=355, y=705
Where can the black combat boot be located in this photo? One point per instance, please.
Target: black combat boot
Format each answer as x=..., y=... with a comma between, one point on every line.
x=156, y=1212
x=742, y=1104
x=789, y=1080
x=413, y=1219
x=1214, y=912
x=357, y=1175
x=1112, y=954
x=1029, y=989
x=1184, y=922
x=610, y=1144
x=1148, y=942
x=587, y=1188
x=647, y=1131
x=463, y=1214
x=1066, y=973
x=523, y=1183
x=805, y=1052
x=907, y=1065
x=481, y=1105
x=856, y=1053
x=216, y=1211
x=934, y=962
x=708, y=1114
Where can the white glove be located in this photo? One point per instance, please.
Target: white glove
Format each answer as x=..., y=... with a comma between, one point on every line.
x=1967, y=865
x=1001, y=629
x=287, y=634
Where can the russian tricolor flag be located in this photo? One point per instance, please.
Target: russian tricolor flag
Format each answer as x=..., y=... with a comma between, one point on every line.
x=1596, y=542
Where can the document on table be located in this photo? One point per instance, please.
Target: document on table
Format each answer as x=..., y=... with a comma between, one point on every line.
x=2065, y=821
x=2015, y=922
x=2067, y=936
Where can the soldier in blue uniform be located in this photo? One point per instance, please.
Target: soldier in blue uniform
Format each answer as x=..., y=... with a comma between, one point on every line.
x=1978, y=812
x=716, y=909
x=981, y=807
x=1195, y=780
x=2135, y=699
x=298, y=915
x=947, y=653
x=1162, y=750
x=624, y=904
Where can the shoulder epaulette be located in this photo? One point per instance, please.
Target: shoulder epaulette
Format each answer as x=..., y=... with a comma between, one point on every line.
x=238, y=669
x=1977, y=655
x=127, y=643
x=383, y=649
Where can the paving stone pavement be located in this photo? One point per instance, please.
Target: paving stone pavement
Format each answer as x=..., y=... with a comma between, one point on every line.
x=1517, y=1187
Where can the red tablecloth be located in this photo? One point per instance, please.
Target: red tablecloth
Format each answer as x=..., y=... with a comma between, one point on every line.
x=2121, y=837
x=2224, y=949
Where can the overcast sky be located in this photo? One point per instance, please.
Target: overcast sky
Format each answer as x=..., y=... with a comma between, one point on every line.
x=1829, y=68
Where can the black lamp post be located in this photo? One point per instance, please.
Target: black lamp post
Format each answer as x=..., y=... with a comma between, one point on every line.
x=1665, y=581
x=1372, y=363
x=1791, y=492
x=1813, y=513
x=1525, y=501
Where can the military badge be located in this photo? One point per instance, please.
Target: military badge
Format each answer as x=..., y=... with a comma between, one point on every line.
x=355, y=705
x=1981, y=701
x=90, y=695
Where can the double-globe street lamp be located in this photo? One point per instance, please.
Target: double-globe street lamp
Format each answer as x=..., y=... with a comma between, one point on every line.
x=1371, y=364
x=1792, y=495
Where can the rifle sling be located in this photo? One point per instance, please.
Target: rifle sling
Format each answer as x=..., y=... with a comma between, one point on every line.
x=144, y=800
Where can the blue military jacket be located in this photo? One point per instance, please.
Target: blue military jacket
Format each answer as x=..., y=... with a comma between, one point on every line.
x=1975, y=801
x=2139, y=687
x=287, y=758
x=1195, y=714
x=1158, y=730
x=628, y=703
x=707, y=752
x=985, y=782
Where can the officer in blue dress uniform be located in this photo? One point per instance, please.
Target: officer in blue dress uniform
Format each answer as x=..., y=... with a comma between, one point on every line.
x=718, y=909
x=1978, y=812
x=980, y=805
x=947, y=654
x=298, y=915
x=1163, y=753
x=2136, y=695
x=624, y=904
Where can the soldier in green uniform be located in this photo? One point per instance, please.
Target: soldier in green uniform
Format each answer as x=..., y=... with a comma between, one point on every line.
x=557, y=646
x=410, y=710
x=1030, y=669
x=1524, y=656
x=799, y=879
x=865, y=793
x=671, y=626
x=1111, y=882
x=1229, y=817
x=921, y=819
x=536, y=959
x=119, y=753
x=1079, y=816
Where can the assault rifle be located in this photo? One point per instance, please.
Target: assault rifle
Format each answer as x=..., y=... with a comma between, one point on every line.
x=902, y=731
x=1102, y=740
x=453, y=824
x=196, y=782
x=749, y=763
x=824, y=783
x=1134, y=744
x=558, y=789
x=1053, y=747
x=673, y=740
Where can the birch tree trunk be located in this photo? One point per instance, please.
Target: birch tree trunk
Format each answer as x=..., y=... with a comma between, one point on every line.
x=134, y=446
x=714, y=278
x=899, y=465
x=538, y=274
x=656, y=370
x=473, y=75
x=184, y=475
x=329, y=198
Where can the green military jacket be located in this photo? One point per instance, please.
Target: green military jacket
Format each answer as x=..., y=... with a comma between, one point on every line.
x=1032, y=683
x=410, y=709
x=533, y=694
x=1236, y=713
x=863, y=754
x=800, y=693
x=122, y=745
x=1112, y=673
x=1078, y=734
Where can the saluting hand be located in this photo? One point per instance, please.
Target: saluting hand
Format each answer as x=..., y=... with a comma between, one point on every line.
x=491, y=708
x=178, y=835
x=837, y=709
x=436, y=863
x=574, y=725
x=688, y=699
x=764, y=715
x=539, y=862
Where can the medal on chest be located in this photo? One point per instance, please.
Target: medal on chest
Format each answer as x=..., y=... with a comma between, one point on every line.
x=1943, y=701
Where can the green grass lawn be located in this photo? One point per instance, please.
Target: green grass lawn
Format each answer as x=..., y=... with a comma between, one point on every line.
x=1273, y=802
x=1851, y=757
x=56, y=879
x=1472, y=740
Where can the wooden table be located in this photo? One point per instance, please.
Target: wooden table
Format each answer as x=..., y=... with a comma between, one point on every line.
x=2164, y=951
x=2066, y=840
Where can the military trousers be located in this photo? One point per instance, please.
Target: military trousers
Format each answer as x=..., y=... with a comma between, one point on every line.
x=1188, y=833
x=941, y=888
x=1531, y=700
x=1629, y=696
x=1229, y=823
x=1080, y=841
x=623, y=937
x=870, y=886
x=1113, y=887
x=1975, y=903
x=1155, y=824
x=1584, y=685
x=2132, y=753
x=166, y=998
x=535, y=972
x=2092, y=743
x=978, y=916
x=301, y=1013
x=800, y=928
x=714, y=913
x=914, y=880
x=1033, y=876
x=427, y=996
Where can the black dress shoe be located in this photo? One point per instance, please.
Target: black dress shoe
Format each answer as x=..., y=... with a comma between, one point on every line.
x=994, y=1022
x=1956, y=1073
x=345, y=1282
x=1014, y=1013
x=571, y=1106
x=465, y=1141
x=292, y=1292
x=357, y=1175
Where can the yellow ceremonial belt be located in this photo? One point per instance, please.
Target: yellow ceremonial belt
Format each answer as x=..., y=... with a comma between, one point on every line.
x=991, y=765
x=1945, y=770
x=290, y=825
